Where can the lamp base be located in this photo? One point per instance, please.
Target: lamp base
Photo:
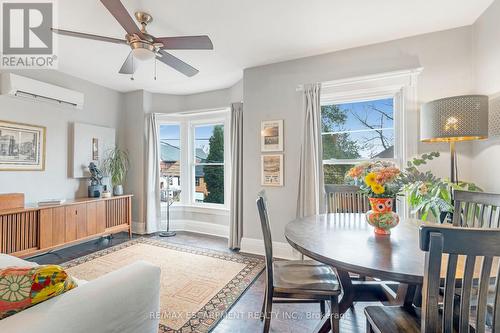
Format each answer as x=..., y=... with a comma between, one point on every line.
x=167, y=234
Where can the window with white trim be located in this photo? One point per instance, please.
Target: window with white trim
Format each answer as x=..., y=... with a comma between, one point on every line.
x=356, y=131
x=208, y=163
x=194, y=158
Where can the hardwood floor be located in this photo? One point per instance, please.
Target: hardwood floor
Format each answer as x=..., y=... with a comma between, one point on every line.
x=243, y=316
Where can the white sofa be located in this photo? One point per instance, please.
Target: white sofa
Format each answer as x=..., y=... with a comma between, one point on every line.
x=125, y=301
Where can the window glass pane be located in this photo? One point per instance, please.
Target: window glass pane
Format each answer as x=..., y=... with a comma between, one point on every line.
x=170, y=161
x=209, y=144
x=358, y=116
x=335, y=174
x=209, y=184
x=355, y=145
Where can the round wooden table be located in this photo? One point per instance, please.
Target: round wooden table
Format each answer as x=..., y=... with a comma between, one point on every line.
x=348, y=243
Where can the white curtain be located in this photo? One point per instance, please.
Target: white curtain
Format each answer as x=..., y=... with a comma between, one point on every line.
x=311, y=196
x=152, y=183
x=236, y=206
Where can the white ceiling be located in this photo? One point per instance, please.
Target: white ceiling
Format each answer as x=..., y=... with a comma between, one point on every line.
x=245, y=33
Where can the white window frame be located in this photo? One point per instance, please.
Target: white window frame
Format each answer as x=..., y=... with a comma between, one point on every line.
x=365, y=97
x=403, y=85
x=187, y=122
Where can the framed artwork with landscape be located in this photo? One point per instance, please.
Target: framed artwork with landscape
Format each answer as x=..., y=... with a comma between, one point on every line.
x=271, y=135
x=272, y=170
x=22, y=147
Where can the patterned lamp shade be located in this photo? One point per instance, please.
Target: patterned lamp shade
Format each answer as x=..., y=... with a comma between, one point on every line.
x=459, y=118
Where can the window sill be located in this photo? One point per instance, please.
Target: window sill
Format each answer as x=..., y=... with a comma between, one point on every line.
x=206, y=209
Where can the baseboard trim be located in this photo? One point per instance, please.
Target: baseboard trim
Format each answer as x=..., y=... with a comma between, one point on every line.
x=280, y=249
x=205, y=228
x=139, y=228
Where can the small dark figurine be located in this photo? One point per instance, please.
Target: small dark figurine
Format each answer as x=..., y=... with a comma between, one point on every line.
x=95, y=174
x=95, y=188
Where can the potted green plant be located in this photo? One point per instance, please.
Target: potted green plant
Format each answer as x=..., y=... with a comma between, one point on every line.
x=427, y=194
x=116, y=166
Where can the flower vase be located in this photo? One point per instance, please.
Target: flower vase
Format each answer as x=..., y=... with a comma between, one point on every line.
x=381, y=216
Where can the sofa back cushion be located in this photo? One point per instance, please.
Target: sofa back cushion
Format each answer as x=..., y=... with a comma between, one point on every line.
x=22, y=287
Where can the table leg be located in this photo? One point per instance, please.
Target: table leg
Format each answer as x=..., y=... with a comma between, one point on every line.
x=346, y=302
x=406, y=295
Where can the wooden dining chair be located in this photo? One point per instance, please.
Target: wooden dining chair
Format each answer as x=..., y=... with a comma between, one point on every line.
x=476, y=209
x=345, y=199
x=296, y=281
x=448, y=314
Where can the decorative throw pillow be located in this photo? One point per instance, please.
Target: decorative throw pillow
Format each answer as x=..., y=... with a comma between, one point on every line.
x=22, y=287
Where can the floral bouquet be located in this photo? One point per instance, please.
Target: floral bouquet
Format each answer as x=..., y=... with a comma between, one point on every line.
x=377, y=179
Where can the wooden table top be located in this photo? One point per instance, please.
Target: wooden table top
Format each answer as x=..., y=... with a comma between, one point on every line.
x=347, y=242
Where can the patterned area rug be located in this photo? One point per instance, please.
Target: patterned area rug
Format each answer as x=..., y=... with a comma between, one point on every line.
x=198, y=286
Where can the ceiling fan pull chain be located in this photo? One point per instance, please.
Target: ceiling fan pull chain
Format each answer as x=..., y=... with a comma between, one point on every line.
x=132, y=77
x=155, y=68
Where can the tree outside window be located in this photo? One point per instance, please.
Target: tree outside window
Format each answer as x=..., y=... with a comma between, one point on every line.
x=355, y=132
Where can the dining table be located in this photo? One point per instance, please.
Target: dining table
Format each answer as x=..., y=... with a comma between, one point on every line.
x=346, y=242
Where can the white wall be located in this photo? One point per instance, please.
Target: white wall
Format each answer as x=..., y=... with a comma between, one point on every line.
x=270, y=93
x=102, y=107
x=487, y=64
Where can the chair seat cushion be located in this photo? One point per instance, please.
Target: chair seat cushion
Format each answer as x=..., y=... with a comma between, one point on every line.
x=388, y=319
x=305, y=276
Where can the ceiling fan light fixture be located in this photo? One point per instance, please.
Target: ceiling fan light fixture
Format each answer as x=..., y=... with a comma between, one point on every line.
x=142, y=51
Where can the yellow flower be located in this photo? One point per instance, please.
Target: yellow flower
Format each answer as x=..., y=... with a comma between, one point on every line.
x=377, y=189
x=371, y=179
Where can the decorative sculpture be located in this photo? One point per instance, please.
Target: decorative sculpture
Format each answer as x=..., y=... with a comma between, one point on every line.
x=95, y=188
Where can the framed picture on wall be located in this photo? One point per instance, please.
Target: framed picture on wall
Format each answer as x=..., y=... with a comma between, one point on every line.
x=272, y=170
x=271, y=135
x=22, y=147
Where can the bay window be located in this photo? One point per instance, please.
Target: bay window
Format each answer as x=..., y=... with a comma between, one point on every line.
x=193, y=155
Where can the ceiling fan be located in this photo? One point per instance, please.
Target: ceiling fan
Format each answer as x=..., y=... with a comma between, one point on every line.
x=145, y=46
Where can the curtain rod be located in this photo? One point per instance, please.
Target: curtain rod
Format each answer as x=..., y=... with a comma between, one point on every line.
x=364, y=78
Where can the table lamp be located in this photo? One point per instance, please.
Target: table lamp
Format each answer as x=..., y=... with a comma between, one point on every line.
x=454, y=119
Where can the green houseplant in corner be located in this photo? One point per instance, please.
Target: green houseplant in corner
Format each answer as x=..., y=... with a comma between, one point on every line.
x=116, y=165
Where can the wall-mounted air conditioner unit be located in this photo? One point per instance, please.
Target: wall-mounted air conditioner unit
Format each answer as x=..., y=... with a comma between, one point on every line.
x=20, y=86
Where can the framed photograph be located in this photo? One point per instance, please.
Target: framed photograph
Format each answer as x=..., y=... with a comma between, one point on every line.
x=95, y=149
x=272, y=170
x=22, y=147
x=271, y=135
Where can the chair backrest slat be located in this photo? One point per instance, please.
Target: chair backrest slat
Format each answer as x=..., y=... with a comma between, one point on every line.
x=430, y=288
x=496, y=305
x=449, y=293
x=266, y=234
x=476, y=209
x=484, y=283
x=438, y=241
x=465, y=294
x=345, y=199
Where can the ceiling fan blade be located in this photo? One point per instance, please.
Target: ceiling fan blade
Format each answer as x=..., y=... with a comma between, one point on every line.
x=128, y=66
x=116, y=8
x=186, y=43
x=89, y=36
x=177, y=64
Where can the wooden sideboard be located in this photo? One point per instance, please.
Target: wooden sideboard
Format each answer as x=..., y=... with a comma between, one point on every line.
x=29, y=231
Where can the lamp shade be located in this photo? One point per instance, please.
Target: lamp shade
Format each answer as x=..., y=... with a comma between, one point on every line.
x=458, y=118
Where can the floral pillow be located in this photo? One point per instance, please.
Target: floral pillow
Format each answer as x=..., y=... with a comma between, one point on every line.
x=22, y=287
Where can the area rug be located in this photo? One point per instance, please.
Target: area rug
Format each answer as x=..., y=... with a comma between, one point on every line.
x=198, y=286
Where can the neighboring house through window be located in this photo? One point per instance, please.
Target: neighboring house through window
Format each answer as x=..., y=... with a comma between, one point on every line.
x=193, y=155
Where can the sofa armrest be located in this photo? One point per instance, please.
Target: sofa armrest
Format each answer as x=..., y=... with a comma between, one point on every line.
x=122, y=301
